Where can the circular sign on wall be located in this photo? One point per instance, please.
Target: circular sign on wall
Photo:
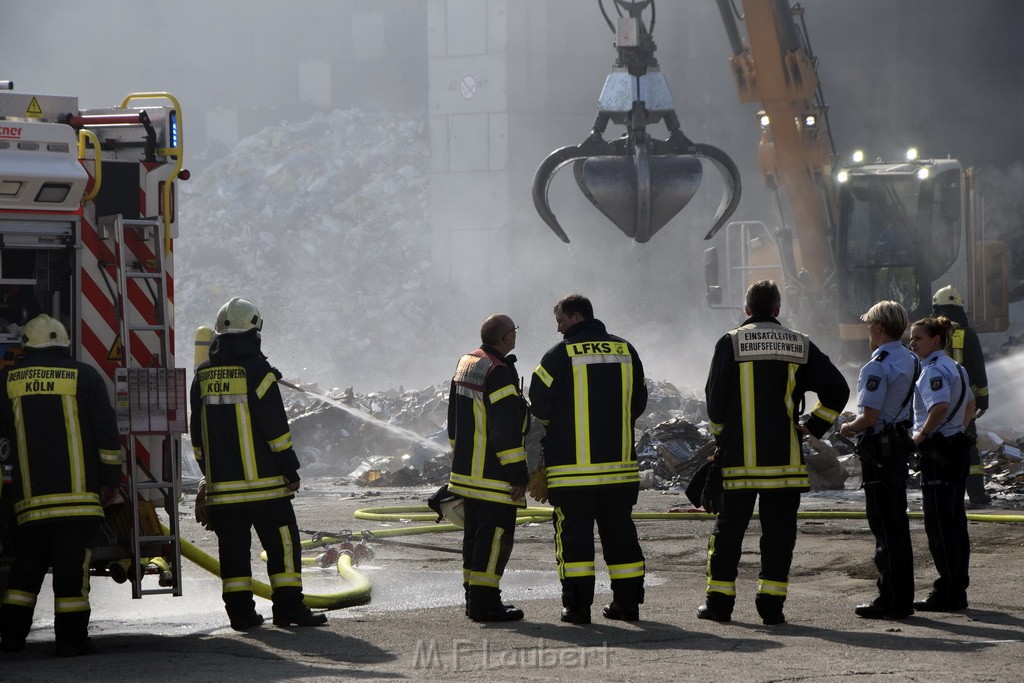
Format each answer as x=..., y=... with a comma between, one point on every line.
x=468, y=87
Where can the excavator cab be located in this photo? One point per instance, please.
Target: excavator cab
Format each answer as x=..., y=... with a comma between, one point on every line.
x=639, y=182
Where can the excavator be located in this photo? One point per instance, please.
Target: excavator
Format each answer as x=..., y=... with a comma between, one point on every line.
x=860, y=231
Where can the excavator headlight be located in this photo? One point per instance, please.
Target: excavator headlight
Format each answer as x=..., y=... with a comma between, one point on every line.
x=858, y=156
x=923, y=173
x=763, y=120
x=842, y=177
x=912, y=154
x=810, y=121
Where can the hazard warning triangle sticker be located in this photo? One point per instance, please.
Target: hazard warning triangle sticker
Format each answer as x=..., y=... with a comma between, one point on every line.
x=114, y=354
x=34, y=110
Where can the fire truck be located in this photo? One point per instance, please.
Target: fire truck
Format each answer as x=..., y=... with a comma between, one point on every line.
x=87, y=230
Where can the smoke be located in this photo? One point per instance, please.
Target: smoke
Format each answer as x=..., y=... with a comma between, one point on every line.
x=326, y=221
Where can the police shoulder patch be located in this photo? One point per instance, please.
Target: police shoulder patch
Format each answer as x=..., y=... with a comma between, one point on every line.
x=936, y=383
x=873, y=382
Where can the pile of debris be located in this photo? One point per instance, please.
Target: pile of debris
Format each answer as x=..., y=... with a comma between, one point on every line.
x=399, y=438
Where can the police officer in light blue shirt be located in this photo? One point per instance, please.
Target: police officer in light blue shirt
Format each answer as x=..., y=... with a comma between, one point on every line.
x=943, y=406
x=884, y=392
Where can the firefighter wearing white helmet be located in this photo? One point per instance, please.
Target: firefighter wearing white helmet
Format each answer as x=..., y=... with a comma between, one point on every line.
x=238, y=315
x=243, y=444
x=965, y=349
x=43, y=332
x=67, y=468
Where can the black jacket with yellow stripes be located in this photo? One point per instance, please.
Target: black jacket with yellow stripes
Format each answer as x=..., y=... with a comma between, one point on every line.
x=588, y=391
x=57, y=413
x=238, y=425
x=965, y=349
x=755, y=395
x=487, y=420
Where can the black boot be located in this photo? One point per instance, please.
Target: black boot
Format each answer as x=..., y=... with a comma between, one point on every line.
x=298, y=615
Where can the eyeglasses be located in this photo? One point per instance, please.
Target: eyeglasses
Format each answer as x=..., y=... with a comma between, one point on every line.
x=514, y=329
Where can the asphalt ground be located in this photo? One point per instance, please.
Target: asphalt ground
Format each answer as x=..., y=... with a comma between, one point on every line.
x=414, y=627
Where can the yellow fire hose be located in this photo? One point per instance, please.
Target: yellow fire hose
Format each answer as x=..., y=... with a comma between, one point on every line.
x=357, y=593
x=421, y=513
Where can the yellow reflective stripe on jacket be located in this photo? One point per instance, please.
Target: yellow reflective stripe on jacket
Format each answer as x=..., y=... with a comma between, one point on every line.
x=246, y=447
x=626, y=409
x=766, y=587
x=111, y=457
x=747, y=413
x=246, y=496
x=265, y=385
x=765, y=484
x=825, y=414
x=481, y=488
x=593, y=474
x=581, y=414
x=512, y=455
x=505, y=391
x=957, y=344
x=246, y=491
x=44, y=514
x=794, y=440
x=543, y=375
x=281, y=443
x=76, y=450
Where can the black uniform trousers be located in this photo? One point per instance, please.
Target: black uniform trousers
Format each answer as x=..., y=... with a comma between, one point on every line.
x=278, y=532
x=487, y=540
x=66, y=547
x=945, y=523
x=778, y=510
x=576, y=511
x=885, y=498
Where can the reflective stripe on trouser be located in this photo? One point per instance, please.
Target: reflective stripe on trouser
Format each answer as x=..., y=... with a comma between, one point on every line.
x=487, y=542
x=63, y=545
x=777, y=511
x=576, y=512
x=278, y=533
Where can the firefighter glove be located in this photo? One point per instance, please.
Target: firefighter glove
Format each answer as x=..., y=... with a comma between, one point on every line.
x=202, y=514
x=538, y=486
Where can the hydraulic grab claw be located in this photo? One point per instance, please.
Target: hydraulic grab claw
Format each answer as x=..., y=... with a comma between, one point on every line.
x=637, y=181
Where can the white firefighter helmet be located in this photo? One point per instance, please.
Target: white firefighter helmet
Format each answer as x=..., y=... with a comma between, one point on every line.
x=42, y=332
x=948, y=296
x=454, y=511
x=238, y=315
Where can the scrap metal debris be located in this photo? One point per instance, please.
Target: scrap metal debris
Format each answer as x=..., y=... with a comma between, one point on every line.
x=399, y=438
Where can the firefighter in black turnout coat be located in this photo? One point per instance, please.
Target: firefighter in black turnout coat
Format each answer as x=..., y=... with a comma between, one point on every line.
x=588, y=392
x=243, y=444
x=487, y=421
x=57, y=413
x=755, y=393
